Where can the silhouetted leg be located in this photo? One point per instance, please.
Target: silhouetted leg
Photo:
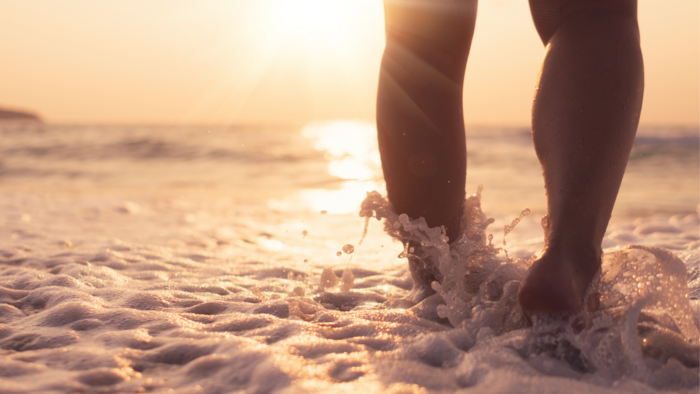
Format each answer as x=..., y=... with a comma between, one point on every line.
x=584, y=118
x=419, y=114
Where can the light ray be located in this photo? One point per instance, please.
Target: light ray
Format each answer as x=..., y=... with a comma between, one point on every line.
x=324, y=43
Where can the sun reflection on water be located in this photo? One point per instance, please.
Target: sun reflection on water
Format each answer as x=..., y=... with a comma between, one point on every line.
x=350, y=147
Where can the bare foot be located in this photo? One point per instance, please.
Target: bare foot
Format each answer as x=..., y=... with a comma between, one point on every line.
x=557, y=283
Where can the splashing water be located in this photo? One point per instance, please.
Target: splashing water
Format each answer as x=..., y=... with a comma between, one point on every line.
x=465, y=264
x=509, y=227
x=93, y=297
x=644, y=327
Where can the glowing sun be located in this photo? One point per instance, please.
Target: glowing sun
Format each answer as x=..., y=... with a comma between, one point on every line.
x=314, y=22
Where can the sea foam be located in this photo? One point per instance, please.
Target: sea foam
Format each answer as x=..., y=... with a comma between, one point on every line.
x=644, y=317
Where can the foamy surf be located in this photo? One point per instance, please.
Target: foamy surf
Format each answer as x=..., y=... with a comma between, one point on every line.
x=644, y=320
x=222, y=304
x=197, y=259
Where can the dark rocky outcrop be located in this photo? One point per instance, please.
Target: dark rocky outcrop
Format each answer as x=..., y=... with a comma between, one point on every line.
x=18, y=116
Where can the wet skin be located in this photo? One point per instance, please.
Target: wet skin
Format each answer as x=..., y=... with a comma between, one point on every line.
x=585, y=114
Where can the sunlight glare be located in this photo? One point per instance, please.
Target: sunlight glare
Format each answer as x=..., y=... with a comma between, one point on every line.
x=343, y=201
x=312, y=22
x=350, y=147
x=270, y=244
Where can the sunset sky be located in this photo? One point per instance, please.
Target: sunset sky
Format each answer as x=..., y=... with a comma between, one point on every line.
x=287, y=61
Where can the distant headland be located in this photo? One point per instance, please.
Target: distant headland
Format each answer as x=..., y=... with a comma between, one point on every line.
x=7, y=115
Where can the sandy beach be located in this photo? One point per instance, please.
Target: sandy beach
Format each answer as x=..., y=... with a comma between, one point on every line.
x=136, y=262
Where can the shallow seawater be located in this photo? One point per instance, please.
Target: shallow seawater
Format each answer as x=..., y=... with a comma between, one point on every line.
x=145, y=259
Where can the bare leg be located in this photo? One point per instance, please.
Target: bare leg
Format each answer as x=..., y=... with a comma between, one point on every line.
x=419, y=114
x=584, y=118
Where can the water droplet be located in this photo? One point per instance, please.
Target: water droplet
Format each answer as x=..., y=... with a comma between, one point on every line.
x=338, y=254
x=305, y=233
x=348, y=249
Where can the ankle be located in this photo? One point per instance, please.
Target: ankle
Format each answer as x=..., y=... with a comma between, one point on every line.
x=585, y=259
